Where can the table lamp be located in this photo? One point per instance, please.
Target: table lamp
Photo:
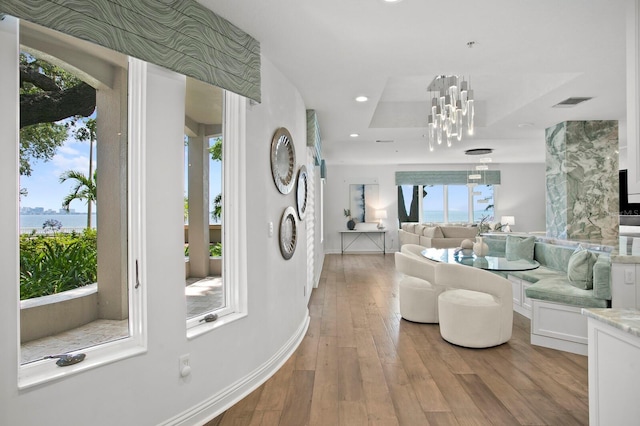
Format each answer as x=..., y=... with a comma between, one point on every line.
x=506, y=222
x=380, y=214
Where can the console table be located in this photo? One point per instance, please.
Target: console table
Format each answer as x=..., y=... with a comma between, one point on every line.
x=367, y=232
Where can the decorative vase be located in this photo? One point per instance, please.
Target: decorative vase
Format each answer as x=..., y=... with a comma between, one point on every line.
x=351, y=224
x=480, y=248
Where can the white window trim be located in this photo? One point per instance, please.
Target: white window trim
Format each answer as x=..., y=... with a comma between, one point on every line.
x=471, y=211
x=39, y=372
x=234, y=257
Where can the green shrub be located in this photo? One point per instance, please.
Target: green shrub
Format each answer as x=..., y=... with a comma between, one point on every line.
x=215, y=250
x=51, y=264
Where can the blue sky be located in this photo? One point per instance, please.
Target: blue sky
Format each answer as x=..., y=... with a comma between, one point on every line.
x=43, y=186
x=45, y=190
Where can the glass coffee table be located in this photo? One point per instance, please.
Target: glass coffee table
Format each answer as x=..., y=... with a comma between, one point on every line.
x=490, y=263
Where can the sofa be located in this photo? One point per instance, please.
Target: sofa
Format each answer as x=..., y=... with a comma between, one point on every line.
x=550, y=295
x=435, y=235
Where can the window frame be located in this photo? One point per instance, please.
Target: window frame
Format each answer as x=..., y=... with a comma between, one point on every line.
x=234, y=258
x=445, y=191
x=37, y=372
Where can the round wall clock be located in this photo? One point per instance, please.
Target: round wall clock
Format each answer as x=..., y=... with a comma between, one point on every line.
x=302, y=191
x=288, y=233
x=283, y=160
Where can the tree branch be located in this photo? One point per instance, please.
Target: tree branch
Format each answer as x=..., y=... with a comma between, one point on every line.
x=31, y=75
x=57, y=105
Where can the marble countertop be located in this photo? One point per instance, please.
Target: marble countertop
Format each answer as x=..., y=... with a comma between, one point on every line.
x=624, y=258
x=627, y=320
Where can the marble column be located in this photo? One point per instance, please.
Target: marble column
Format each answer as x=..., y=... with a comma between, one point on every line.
x=582, y=181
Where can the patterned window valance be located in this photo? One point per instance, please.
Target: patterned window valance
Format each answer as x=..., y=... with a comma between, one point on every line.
x=180, y=35
x=454, y=177
x=313, y=135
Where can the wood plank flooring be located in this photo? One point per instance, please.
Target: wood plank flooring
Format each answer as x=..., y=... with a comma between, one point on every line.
x=361, y=364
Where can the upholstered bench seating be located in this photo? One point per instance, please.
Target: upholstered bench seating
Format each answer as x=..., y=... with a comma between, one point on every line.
x=552, y=300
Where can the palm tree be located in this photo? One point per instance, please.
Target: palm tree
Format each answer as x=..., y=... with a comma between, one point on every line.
x=88, y=133
x=216, y=214
x=84, y=189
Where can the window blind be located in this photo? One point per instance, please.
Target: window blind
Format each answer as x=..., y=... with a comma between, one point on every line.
x=453, y=177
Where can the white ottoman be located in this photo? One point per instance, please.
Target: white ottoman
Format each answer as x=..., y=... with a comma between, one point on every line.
x=418, y=300
x=472, y=319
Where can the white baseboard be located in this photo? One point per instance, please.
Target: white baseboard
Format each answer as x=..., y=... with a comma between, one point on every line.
x=561, y=345
x=220, y=402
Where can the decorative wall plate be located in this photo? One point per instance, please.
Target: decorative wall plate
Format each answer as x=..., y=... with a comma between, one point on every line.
x=283, y=160
x=288, y=233
x=302, y=191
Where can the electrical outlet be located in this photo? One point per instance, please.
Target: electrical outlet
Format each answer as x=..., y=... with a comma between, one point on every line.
x=184, y=365
x=629, y=277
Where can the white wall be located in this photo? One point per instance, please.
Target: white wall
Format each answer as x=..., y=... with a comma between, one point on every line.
x=147, y=389
x=521, y=194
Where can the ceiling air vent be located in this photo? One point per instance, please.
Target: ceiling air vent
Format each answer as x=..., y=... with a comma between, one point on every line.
x=384, y=140
x=478, y=151
x=570, y=102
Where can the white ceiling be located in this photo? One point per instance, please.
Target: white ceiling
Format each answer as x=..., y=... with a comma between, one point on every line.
x=528, y=56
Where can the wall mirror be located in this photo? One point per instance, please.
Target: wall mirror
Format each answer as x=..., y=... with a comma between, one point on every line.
x=363, y=201
x=283, y=160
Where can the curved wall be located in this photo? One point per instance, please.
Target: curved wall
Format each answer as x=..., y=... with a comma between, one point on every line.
x=227, y=362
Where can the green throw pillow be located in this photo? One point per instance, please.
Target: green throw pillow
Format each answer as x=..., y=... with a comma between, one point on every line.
x=519, y=248
x=580, y=268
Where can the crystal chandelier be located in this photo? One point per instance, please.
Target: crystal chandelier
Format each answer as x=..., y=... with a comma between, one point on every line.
x=452, y=110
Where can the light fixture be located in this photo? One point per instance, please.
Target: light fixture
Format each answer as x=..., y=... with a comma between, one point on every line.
x=452, y=110
x=477, y=175
x=380, y=214
x=506, y=222
x=361, y=99
x=354, y=135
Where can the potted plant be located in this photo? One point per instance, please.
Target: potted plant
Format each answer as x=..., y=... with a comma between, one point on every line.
x=351, y=224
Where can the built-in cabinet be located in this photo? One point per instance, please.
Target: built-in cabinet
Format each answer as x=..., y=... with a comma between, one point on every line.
x=633, y=100
x=614, y=367
x=521, y=303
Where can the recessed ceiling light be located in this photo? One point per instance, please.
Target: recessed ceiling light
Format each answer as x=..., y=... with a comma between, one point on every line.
x=392, y=1
x=525, y=125
x=354, y=135
x=362, y=99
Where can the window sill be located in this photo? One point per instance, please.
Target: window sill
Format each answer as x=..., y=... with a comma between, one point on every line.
x=205, y=327
x=40, y=372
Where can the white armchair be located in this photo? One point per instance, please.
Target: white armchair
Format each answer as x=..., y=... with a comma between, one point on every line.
x=476, y=310
x=418, y=292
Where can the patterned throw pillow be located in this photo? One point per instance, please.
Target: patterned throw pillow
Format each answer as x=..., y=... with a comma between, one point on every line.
x=519, y=248
x=580, y=268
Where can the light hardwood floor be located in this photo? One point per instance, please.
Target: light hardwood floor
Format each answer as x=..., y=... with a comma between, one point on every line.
x=361, y=364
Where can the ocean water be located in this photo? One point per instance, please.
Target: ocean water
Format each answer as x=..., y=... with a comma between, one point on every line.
x=70, y=222
x=454, y=216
